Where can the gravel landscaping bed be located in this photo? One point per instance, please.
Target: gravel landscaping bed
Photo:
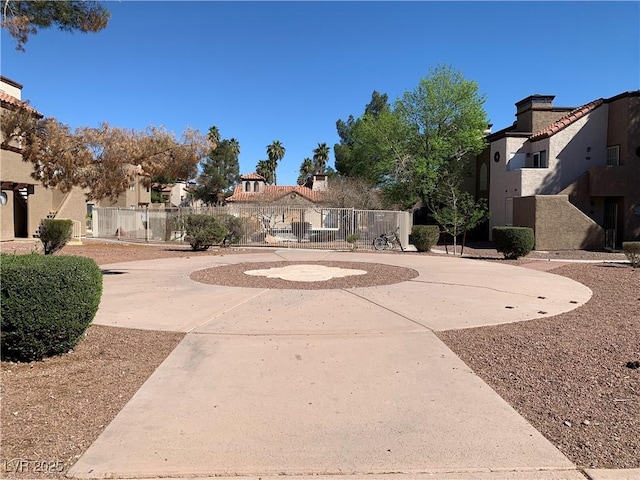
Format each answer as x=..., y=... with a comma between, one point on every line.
x=234, y=276
x=572, y=376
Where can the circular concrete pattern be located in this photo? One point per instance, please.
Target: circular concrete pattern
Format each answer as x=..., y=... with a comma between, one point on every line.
x=304, y=275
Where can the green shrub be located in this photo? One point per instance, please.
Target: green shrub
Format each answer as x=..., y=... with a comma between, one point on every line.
x=300, y=229
x=423, y=237
x=353, y=240
x=513, y=242
x=203, y=231
x=632, y=252
x=47, y=303
x=234, y=226
x=54, y=234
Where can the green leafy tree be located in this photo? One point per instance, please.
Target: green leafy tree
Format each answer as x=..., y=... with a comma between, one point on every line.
x=320, y=157
x=446, y=115
x=456, y=211
x=384, y=153
x=264, y=168
x=430, y=132
x=306, y=172
x=275, y=152
x=23, y=18
x=220, y=171
x=347, y=162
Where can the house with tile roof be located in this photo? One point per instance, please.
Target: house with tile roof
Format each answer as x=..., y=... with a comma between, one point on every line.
x=253, y=189
x=571, y=174
x=281, y=207
x=24, y=201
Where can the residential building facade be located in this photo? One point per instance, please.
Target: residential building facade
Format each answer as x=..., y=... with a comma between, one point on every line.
x=24, y=202
x=571, y=174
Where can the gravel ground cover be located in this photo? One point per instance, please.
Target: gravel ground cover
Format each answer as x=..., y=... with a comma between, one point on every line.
x=573, y=376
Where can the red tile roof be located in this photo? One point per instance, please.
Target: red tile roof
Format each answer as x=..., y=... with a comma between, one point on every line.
x=252, y=176
x=13, y=101
x=567, y=120
x=272, y=193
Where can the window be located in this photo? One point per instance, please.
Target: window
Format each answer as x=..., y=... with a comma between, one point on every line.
x=247, y=186
x=613, y=156
x=540, y=159
x=329, y=218
x=484, y=178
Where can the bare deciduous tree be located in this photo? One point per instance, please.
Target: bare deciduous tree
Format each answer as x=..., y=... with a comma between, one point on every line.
x=100, y=159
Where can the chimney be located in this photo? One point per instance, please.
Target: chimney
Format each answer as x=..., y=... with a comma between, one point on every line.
x=320, y=182
x=526, y=110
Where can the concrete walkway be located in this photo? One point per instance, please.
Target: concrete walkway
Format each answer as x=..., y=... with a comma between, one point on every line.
x=324, y=383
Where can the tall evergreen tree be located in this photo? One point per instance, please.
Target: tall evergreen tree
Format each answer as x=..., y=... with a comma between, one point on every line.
x=21, y=19
x=220, y=171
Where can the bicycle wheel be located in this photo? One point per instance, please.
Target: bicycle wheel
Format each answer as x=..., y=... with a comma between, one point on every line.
x=379, y=243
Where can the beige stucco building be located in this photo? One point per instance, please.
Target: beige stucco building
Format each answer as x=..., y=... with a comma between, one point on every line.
x=571, y=174
x=24, y=202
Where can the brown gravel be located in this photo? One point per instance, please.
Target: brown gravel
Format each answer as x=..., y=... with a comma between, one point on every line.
x=568, y=374
x=234, y=276
x=570, y=369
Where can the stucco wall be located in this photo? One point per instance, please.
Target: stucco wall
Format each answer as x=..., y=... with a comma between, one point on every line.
x=503, y=182
x=557, y=224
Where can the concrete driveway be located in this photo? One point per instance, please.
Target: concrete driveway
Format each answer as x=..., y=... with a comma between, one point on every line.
x=272, y=382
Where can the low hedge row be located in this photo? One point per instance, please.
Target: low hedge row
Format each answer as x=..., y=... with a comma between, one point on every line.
x=513, y=242
x=423, y=237
x=47, y=303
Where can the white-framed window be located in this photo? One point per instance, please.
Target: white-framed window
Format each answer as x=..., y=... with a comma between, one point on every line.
x=329, y=218
x=613, y=156
x=540, y=159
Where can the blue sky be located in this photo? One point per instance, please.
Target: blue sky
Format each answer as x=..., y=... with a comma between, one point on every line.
x=264, y=71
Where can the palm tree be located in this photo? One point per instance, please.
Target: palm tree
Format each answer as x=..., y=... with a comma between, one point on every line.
x=214, y=137
x=275, y=152
x=234, y=146
x=320, y=157
x=264, y=168
x=306, y=172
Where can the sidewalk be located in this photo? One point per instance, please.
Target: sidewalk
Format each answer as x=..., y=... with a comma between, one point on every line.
x=323, y=383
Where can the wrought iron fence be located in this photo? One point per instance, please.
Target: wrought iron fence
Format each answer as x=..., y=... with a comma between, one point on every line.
x=255, y=226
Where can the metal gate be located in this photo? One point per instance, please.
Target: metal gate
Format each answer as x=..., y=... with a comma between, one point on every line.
x=255, y=226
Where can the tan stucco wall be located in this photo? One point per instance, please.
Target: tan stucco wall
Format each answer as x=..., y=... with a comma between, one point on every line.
x=557, y=224
x=570, y=153
x=73, y=205
x=6, y=217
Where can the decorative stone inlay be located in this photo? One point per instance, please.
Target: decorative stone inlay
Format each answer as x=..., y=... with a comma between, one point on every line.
x=305, y=273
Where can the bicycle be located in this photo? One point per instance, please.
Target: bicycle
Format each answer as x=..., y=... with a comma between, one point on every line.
x=387, y=241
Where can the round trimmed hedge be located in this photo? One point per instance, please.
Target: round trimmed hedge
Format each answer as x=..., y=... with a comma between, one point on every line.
x=513, y=242
x=423, y=237
x=47, y=304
